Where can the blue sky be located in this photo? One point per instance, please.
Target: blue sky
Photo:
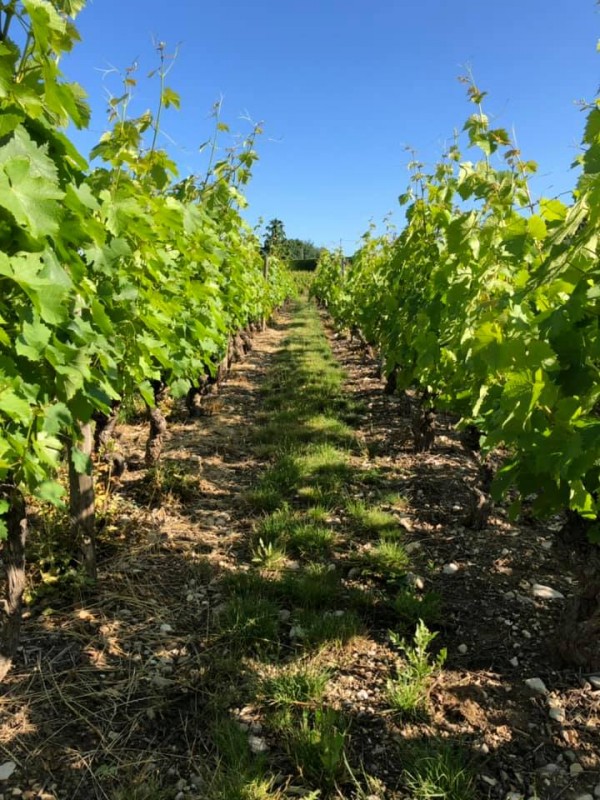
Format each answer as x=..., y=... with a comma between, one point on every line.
x=342, y=86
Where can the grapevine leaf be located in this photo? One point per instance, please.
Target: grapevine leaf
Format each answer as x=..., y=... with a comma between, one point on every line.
x=33, y=340
x=14, y=406
x=52, y=492
x=57, y=418
x=27, y=191
x=81, y=461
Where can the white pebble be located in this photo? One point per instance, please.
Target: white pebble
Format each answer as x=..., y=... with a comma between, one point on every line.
x=257, y=744
x=546, y=592
x=7, y=769
x=462, y=649
x=557, y=714
x=451, y=568
x=536, y=685
x=166, y=628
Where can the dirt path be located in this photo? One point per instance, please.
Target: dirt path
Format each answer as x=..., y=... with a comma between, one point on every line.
x=109, y=684
x=237, y=646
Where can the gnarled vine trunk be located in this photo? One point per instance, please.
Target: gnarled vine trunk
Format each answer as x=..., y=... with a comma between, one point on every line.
x=579, y=630
x=158, y=427
x=13, y=556
x=82, y=504
x=422, y=426
x=105, y=440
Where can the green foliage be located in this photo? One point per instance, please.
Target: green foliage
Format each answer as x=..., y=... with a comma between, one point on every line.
x=83, y=251
x=488, y=301
x=408, y=692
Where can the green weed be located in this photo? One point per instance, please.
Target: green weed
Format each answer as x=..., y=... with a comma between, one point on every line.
x=408, y=692
x=411, y=607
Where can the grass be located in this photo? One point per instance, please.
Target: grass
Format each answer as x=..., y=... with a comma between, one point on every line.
x=387, y=560
x=294, y=603
x=328, y=627
x=304, y=535
x=239, y=774
x=372, y=520
x=250, y=623
x=296, y=684
x=315, y=740
x=437, y=771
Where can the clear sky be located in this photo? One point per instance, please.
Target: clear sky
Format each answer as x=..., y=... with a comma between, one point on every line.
x=342, y=86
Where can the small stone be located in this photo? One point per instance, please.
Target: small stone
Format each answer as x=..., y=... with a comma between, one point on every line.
x=7, y=769
x=166, y=628
x=510, y=595
x=412, y=547
x=597, y=791
x=546, y=592
x=180, y=796
x=483, y=749
x=181, y=784
x=294, y=566
x=526, y=634
x=362, y=694
x=514, y=662
x=549, y=769
x=513, y=796
x=570, y=756
x=488, y=780
x=415, y=581
x=451, y=568
x=595, y=681
x=536, y=685
x=586, y=796
x=296, y=632
x=557, y=714
x=462, y=649
x=575, y=769
x=257, y=744
x=505, y=551
x=353, y=573
x=546, y=544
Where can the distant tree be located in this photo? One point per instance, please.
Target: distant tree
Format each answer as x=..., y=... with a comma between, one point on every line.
x=302, y=249
x=275, y=240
